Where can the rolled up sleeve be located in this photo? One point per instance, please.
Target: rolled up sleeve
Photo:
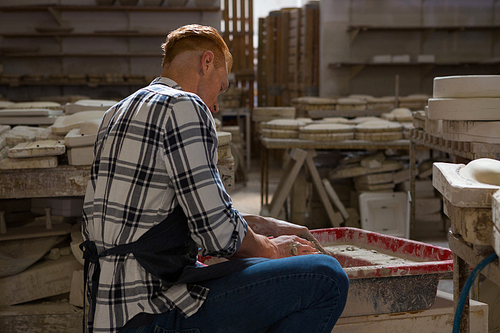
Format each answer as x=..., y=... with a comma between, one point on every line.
x=191, y=160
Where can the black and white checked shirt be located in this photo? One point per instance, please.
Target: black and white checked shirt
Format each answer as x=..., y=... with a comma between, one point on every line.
x=155, y=149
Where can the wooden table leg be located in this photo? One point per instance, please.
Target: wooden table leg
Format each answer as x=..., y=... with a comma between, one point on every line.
x=460, y=275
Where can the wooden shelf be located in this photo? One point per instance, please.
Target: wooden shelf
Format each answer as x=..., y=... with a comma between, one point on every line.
x=69, y=83
x=425, y=68
x=108, y=8
x=88, y=34
x=355, y=30
x=78, y=55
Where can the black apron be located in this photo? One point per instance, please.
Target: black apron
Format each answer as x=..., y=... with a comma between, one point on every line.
x=166, y=251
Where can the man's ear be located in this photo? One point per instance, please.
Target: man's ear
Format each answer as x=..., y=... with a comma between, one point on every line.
x=207, y=60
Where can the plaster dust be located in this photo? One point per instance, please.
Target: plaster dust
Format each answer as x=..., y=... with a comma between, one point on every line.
x=360, y=256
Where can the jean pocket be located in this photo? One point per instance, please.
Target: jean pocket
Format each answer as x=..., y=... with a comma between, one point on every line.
x=159, y=329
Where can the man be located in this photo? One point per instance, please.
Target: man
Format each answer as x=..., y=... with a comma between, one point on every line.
x=155, y=197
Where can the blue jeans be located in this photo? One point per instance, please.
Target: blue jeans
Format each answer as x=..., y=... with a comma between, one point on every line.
x=296, y=294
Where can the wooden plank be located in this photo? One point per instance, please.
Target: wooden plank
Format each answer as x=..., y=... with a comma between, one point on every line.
x=296, y=162
x=54, y=317
x=61, y=181
x=334, y=218
x=335, y=198
x=43, y=279
x=35, y=232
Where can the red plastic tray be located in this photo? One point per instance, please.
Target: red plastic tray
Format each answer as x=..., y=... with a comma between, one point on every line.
x=430, y=259
x=377, y=289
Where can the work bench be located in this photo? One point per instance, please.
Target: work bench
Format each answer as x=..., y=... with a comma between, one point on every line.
x=303, y=152
x=465, y=254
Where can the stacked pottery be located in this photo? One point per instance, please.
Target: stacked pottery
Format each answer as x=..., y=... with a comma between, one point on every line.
x=379, y=130
x=282, y=128
x=327, y=132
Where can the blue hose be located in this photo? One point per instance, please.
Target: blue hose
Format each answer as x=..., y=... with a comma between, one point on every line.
x=465, y=290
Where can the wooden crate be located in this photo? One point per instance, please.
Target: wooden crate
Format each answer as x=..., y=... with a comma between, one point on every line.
x=288, y=58
x=237, y=18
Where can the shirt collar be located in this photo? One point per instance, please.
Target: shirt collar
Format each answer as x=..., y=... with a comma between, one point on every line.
x=166, y=81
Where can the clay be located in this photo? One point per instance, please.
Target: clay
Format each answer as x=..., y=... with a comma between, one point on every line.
x=483, y=170
x=374, y=257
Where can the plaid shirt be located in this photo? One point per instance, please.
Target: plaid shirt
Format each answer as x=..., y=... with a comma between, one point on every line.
x=155, y=149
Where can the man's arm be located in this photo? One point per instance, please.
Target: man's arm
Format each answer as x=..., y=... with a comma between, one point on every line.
x=269, y=226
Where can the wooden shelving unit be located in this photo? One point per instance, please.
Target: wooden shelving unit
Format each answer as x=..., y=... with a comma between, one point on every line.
x=57, y=41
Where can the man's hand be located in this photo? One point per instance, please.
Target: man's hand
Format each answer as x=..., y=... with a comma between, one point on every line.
x=288, y=246
x=269, y=226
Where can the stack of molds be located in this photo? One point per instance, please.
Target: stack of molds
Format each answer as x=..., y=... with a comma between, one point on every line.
x=282, y=128
x=468, y=106
x=414, y=102
x=351, y=104
x=379, y=130
x=382, y=103
x=401, y=115
x=263, y=114
x=80, y=142
x=20, y=134
x=88, y=105
x=314, y=107
x=327, y=132
x=370, y=173
x=33, y=155
x=30, y=113
x=468, y=192
x=225, y=160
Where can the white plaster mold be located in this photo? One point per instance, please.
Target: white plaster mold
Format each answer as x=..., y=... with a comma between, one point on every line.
x=460, y=191
x=81, y=155
x=475, y=131
x=484, y=108
x=64, y=124
x=37, y=149
x=470, y=86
